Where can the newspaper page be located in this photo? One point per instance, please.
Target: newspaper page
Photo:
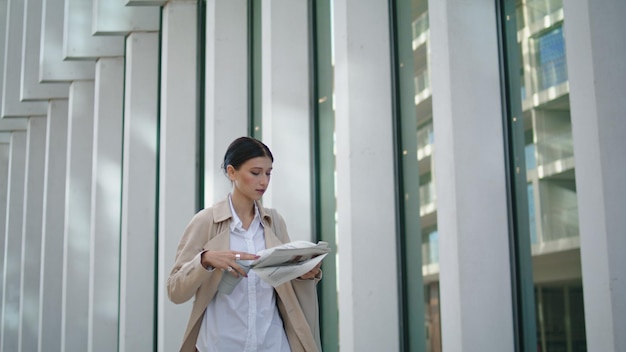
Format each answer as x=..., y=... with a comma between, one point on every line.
x=280, y=264
x=291, y=260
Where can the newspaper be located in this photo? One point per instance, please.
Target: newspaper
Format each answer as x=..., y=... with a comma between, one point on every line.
x=280, y=264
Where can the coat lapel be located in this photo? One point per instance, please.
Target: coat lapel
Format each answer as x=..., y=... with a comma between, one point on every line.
x=221, y=239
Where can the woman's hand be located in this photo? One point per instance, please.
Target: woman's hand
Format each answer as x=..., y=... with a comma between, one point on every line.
x=227, y=260
x=313, y=273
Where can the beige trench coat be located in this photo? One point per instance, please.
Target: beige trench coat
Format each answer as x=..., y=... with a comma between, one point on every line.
x=209, y=230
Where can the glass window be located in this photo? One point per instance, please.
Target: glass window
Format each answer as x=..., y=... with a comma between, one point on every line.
x=423, y=117
x=419, y=236
x=540, y=65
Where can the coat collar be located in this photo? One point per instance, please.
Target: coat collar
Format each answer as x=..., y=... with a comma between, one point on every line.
x=221, y=212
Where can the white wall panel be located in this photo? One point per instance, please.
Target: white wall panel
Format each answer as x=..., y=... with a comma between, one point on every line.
x=596, y=46
x=77, y=217
x=53, y=227
x=52, y=64
x=226, y=89
x=177, y=164
x=12, y=275
x=14, y=124
x=78, y=40
x=366, y=214
x=31, y=233
x=106, y=198
x=286, y=111
x=138, y=237
x=5, y=149
x=31, y=88
x=114, y=17
x=11, y=104
x=470, y=182
x=3, y=29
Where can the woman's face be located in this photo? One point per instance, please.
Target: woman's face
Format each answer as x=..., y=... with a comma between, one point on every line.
x=252, y=178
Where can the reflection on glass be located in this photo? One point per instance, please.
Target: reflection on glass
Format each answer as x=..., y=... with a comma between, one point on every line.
x=560, y=321
x=427, y=195
x=552, y=201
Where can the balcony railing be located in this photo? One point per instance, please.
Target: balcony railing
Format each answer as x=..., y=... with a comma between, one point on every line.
x=422, y=82
x=420, y=25
x=558, y=146
x=425, y=140
x=560, y=223
x=430, y=249
x=428, y=197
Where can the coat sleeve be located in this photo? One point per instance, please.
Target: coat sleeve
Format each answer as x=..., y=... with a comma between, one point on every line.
x=188, y=273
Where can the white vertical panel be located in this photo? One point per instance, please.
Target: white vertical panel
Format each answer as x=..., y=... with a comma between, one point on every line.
x=5, y=148
x=596, y=47
x=3, y=29
x=10, y=323
x=114, y=17
x=178, y=153
x=286, y=111
x=226, y=90
x=11, y=104
x=77, y=217
x=31, y=88
x=55, y=172
x=106, y=198
x=471, y=183
x=52, y=64
x=366, y=213
x=78, y=41
x=13, y=124
x=31, y=233
x=138, y=238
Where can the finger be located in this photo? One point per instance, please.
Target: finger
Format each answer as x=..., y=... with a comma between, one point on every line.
x=239, y=270
x=232, y=271
x=246, y=256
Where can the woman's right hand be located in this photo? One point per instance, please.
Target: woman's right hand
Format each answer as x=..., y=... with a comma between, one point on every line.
x=227, y=261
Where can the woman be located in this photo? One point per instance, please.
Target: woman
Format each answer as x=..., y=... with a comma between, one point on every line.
x=254, y=316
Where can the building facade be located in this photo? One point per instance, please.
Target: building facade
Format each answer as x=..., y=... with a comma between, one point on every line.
x=463, y=159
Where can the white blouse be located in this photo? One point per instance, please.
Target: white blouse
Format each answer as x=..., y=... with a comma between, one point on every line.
x=246, y=319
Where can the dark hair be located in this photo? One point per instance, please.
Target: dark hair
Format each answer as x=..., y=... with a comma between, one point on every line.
x=242, y=149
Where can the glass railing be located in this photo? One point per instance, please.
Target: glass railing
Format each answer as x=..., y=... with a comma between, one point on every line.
x=537, y=10
x=425, y=140
x=422, y=82
x=430, y=249
x=563, y=223
x=552, y=67
x=532, y=221
x=558, y=146
x=531, y=157
x=428, y=196
x=420, y=25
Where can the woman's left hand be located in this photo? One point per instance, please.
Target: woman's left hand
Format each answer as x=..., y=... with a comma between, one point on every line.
x=313, y=273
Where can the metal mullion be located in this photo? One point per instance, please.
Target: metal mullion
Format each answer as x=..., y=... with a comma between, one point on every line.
x=409, y=236
x=324, y=165
x=519, y=236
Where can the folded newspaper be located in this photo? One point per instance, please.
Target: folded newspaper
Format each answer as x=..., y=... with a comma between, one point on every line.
x=280, y=264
